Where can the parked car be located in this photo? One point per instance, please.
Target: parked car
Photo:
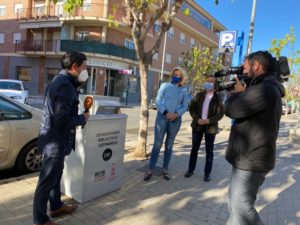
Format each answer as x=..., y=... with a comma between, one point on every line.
x=14, y=89
x=19, y=127
x=152, y=104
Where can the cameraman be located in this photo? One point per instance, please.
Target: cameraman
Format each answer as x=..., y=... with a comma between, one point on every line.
x=256, y=111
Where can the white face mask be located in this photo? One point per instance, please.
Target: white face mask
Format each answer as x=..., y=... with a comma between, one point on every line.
x=83, y=76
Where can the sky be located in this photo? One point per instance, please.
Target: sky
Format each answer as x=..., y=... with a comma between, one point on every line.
x=272, y=20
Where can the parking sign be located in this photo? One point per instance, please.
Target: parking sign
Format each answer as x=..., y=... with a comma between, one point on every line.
x=227, y=41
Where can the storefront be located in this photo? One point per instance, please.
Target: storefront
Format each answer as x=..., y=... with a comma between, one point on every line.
x=119, y=79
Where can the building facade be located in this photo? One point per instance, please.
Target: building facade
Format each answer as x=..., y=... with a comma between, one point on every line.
x=34, y=35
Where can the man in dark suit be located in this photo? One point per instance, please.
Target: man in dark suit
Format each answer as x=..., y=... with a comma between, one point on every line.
x=57, y=135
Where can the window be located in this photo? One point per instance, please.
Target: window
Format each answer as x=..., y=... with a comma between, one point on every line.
x=200, y=46
x=157, y=27
x=39, y=9
x=196, y=15
x=155, y=56
x=7, y=85
x=1, y=38
x=2, y=10
x=59, y=8
x=51, y=73
x=179, y=61
x=192, y=43
x=171, y=32
x=38, y=40
x=11, y=111
x=182, y=38
x=16, y=37
x=24, y=73
x=168, y=58
x=18, y=7
x=129, y=44
x=82, y=35
x=86, y=5
x=133, y=84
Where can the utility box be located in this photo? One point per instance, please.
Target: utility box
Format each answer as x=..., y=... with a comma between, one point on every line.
x=96, y=166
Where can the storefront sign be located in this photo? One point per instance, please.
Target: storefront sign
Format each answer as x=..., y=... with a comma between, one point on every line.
x=106, y=63
x=125, y=71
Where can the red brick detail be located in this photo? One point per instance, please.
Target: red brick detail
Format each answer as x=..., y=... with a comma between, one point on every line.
x=116, y=37
x=5, y=67
x=41, y=75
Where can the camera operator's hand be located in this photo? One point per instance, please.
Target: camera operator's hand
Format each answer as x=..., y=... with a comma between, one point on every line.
x=239, y=87
x=203, y=122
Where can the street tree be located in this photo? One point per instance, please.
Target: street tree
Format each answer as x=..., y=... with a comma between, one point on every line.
x=140, y=18
x=288, y=43
x=198, y=63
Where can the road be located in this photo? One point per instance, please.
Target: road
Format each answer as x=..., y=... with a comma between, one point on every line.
x=131, y=129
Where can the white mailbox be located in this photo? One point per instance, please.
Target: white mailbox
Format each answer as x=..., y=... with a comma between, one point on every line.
x=96, y=166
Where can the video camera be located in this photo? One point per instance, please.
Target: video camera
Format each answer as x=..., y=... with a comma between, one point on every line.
x=281, y=71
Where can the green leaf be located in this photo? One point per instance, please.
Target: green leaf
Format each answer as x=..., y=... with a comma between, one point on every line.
x=186, y=12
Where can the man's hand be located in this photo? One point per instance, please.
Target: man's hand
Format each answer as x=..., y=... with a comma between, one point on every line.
x=86, y=116
x=238, y=87
x=203, y=122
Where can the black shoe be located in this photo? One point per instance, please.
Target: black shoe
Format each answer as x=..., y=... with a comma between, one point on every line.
x=166, y=175
x=206, y=178
x=147, y=176
x=188, y=174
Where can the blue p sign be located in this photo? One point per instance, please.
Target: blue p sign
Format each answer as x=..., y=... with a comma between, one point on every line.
x=227, y=40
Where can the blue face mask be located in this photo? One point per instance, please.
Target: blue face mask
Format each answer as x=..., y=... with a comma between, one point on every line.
x=208, y=86
x=175, y=79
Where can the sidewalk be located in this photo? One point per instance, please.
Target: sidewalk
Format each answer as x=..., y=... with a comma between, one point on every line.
x=180, y=201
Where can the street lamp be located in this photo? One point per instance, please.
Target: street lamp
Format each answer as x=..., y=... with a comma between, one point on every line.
x=250, y=39
x=164, y=51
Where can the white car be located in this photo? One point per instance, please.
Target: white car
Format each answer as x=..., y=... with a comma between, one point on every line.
x=19, y=129
x=14, y=89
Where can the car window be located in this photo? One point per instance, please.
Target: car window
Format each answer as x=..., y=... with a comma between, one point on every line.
x=11, y=111
x=10, y=86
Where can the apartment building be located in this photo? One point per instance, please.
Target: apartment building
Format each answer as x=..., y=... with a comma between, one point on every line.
x=35, y=33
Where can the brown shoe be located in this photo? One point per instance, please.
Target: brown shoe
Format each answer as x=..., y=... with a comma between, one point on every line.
x=64, y=209
x=50, y=222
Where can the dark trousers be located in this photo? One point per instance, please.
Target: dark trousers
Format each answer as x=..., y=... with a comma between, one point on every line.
x=48, y=188
x=209, y=148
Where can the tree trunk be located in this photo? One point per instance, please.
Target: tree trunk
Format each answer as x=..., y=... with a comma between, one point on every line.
x=140, y=151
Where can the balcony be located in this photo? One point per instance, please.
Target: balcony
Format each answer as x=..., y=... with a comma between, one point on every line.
x=49, y=47
x=97, y=47
x=56, y=12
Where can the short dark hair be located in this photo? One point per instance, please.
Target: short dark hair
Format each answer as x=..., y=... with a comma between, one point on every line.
x=264, y=58
x=216, y=82
x=72, y=57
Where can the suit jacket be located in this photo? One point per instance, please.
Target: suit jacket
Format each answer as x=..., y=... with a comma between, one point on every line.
x=215, y=112
x=60, y=117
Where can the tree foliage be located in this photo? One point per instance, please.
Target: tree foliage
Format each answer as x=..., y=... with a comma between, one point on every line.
x=198, y=63
x=288, y=42
x=140, y=17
